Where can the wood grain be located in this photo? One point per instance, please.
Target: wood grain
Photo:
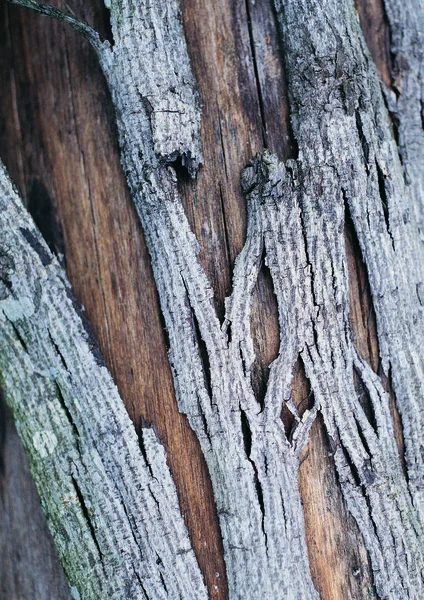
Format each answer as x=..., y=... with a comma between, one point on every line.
x=59, y=144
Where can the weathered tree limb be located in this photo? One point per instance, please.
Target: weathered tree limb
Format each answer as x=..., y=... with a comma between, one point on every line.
x=253, y=467
x=259, y=539
x=346, y=159
x=112, y=508
x=179, y=276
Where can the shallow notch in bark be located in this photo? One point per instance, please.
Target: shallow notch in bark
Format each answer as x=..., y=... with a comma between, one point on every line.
x=112, y=512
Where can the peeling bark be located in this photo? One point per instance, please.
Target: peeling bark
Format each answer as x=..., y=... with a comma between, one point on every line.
x=112, y=509
x=253, y=467
x=348, y=156
x=348, y=161
x=309, y=274
x=255, y=491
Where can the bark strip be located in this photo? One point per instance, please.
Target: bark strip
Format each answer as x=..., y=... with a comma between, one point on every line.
x=348, y=158
x=252, y=466
x=308, y=266
x=406, y=99
x=112, y=509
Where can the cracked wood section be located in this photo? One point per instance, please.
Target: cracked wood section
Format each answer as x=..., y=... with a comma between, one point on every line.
x=109, y=497
x=259, y=509
x=235, y=58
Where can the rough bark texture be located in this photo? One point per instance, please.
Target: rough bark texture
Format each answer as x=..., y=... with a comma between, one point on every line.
x=109, y=498
x=334, y=309
x=348, y=163
x=405, y=98
x=259, y=510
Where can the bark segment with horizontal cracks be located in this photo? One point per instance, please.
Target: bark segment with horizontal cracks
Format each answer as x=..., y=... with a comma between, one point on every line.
x=348, y=154
x=112, y=509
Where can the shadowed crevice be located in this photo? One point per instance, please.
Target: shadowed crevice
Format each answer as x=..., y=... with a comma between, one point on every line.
x=384, y=200
x=264, y=329
x=363, y=322
x=302, y=397
x=247, y=439
x=87, y=517
x=44, y=213
x=364, y=399
x=256, y=73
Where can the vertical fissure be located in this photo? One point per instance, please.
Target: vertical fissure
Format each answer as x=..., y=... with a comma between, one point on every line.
x=364, y=329
x=384, y=200
x=255, y=70
x=144, y=425
x=67, y=411
x=247, y=439
x=264, y=329
x=201, y=345
x=87, y=517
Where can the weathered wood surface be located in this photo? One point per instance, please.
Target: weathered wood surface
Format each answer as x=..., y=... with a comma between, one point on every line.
x=235, y=57
x=108, y=494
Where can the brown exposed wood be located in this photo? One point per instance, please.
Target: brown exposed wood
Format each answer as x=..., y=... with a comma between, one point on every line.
x=57, y=134
x=377, y=35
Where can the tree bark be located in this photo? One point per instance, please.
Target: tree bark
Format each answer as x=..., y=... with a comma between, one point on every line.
x=346, y=176
x=109, y=499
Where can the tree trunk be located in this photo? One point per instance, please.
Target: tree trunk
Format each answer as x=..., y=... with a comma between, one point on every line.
x=292, y=415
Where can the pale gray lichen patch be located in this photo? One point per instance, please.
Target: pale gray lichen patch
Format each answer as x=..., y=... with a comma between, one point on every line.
x=44, y=442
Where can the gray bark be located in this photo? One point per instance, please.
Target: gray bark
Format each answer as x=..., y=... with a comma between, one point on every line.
x=405, y=101
x=111, y=506
x=348, y=163
x=253, y=468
